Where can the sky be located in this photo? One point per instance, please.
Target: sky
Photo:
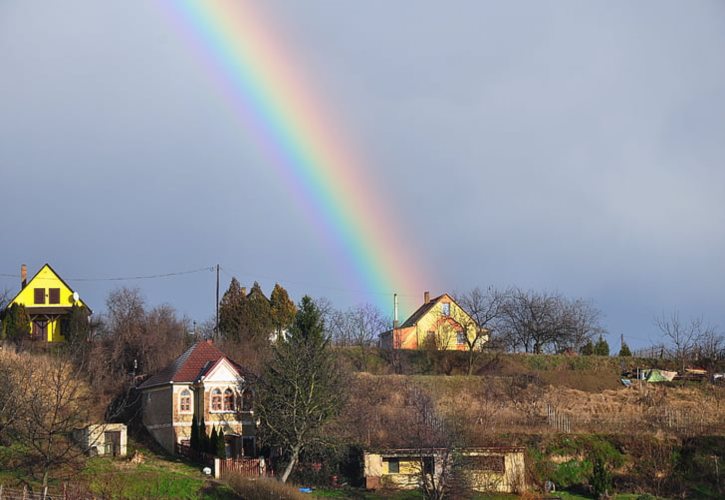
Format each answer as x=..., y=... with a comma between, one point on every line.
x=574, y=147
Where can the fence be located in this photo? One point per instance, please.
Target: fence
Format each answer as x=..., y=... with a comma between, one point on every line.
x=252, y=467
x=560, y=421
x=25, y=494
x=195, y=455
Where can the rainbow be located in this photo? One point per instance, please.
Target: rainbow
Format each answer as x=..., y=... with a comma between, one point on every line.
x=276, y=107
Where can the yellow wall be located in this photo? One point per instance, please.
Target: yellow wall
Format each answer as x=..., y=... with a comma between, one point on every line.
x=46, y=279
x=444, y=327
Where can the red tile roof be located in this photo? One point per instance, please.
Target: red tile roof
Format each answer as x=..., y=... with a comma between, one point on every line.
x=190, y=366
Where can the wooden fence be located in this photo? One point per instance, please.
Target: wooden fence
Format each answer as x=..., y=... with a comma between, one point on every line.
x=25, y=494
x=252, y=467
x=560, y=421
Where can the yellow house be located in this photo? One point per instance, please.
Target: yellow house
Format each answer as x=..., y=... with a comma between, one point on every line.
x=440, y=323
x=47, y=299
x=491, y=469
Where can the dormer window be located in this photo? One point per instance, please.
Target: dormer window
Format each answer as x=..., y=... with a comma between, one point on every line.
x=185, y=401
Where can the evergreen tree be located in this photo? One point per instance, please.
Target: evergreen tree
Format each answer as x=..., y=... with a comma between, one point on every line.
x=231, y=311
x=601, y=348
x=212, y=446
x=283, y=310
x=587, y=349
x=194, y=440
x=257, y=321
x=75, y=326
x=203, y=436
x=601, y=480
x=624, y=351
x=16, y=323
x=221, y=450
x=301, y=387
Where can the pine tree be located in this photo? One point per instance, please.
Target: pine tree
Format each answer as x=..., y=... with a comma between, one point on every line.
x=587, y=349
x=283, y=310
x=194, y=440
x=231, y=311
x=203, y=436
x=212, y=447
x=601, y=348
x=257, y=320
x=624, y=351
x=301, y=388
x=221, y=449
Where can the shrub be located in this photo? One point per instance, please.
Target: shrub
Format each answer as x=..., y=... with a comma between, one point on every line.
x=262, y=488
x=601, y=480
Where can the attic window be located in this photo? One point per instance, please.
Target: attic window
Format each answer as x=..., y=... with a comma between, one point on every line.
x=54, y=295
x=39, y=295
x=446, y=309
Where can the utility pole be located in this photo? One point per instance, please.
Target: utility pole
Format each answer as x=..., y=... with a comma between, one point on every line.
x=216, y=325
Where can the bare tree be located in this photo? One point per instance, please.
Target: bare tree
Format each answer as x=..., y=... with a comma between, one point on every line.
x=12, y=390
x=56, y=402
x=683, y=336
x=358, y=327
x=543, y=321
x=486, y=312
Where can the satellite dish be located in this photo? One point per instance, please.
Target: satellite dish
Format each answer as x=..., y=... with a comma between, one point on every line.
x=76, y=297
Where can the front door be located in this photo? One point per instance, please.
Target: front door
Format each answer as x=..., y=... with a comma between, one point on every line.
x=112, y=443
x=40, y=329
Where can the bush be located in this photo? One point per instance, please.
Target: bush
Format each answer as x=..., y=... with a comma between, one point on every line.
x=261, y=488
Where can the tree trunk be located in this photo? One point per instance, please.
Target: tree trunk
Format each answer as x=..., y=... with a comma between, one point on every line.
x=291, y=464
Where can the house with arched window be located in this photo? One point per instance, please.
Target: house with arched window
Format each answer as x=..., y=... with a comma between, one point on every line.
x=203, y=383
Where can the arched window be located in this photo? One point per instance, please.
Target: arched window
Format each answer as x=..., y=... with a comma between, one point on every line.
x=228, y=400
x=247, y=400
x=185, y=400
x=216, y=400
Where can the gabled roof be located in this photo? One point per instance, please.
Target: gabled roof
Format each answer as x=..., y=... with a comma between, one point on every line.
x=56, y=275
x=196, y=362
x=421, y=311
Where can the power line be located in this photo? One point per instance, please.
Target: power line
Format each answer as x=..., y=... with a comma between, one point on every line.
x=130, y=278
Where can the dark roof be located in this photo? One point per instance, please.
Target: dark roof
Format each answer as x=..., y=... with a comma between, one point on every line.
x=422, y=311
x=191, y=366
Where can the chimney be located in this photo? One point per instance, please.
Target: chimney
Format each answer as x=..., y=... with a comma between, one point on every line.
x=23, y=275
x=395, y=310
x=426, y=297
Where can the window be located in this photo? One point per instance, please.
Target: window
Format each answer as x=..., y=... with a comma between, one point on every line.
x=446, y=309
x=461, y=338
x=216, y=400
x=485, y=463
x=228, y=400
x=393, y=465
x=39, y=295
x=428, y=465
x=247, y=400
x=54, y=295
x=185, y=401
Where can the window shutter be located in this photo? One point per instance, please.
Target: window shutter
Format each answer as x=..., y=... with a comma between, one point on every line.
x=39, y=295
x=54, y=295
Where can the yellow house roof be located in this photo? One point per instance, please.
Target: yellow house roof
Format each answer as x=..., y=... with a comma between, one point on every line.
x=46, y=278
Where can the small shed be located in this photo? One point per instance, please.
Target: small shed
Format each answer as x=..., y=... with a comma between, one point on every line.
x=102, y=439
